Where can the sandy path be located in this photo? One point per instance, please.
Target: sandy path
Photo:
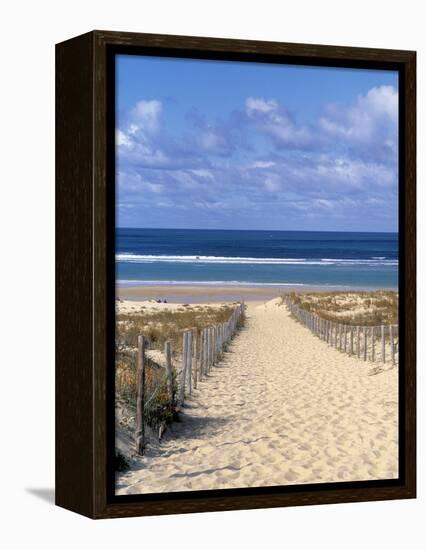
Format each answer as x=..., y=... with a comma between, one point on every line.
x=282, y=408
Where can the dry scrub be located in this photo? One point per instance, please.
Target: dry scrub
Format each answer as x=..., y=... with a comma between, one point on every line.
x=352, y=308
x=157, y=327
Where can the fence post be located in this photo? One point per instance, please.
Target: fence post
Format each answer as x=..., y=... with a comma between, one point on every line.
x=357, y=342
x=184, y=365
x=196, y=354
x=213, y=344
x=169, y=372
x=210, y=347
x=365, y=343
x=206, y=351
x=392, y=344
x=140, y=396
x=352, y=340
x=189, y=361
x=373, y=344
x=346, y=338
x=383, y=344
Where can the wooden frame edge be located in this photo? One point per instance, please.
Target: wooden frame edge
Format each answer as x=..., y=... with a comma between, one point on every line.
x=92, y=168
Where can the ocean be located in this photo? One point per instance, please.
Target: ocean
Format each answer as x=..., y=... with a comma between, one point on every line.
x=264, y=258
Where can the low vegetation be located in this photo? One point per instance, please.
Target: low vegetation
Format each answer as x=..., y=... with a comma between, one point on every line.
x=353, y=307
x=158, y=326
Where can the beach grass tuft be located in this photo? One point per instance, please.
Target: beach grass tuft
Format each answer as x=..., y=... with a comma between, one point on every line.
x=364, y=308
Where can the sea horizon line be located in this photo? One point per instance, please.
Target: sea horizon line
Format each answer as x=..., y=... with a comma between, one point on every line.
x=258, y=230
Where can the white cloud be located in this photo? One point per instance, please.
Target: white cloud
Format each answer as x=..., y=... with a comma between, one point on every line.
x=333, y=167
x=273, y=120
x=146, y=115
x=371, y=121
x=381, y=101
x=272, y=183
x=202, y=173
x=263, y=164
x=255, y=105
x=122, y=139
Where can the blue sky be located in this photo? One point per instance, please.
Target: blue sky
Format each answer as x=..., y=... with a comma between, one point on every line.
x=225, y=145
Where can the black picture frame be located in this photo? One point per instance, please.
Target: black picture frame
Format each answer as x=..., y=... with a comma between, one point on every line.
x=85, y=273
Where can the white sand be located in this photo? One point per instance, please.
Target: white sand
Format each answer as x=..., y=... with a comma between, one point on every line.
x=282, y=408
x=151, y=306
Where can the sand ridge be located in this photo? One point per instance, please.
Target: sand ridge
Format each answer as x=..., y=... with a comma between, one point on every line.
x=281, y=408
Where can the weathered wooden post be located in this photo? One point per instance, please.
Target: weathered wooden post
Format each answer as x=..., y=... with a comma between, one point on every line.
x=169, y=372
x=392, y=344
x=373, y=344
x=189, y=361
x=206, y=351
x=365, y=343
x=223, y=337
x=184, y=367
x=352, y=340
x=383, y=344
x=140, y=396
x=210, y=347
x=346, y=338
x=196, y=354
x=213, y=345
x=358, y=350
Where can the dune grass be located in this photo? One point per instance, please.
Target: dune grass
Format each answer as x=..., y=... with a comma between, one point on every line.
x=366, y=308
x=157, y=327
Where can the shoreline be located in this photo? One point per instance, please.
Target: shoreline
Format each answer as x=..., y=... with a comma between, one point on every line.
x=206, y=293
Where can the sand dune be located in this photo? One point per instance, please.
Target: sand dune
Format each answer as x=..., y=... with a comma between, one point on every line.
x=282, y=408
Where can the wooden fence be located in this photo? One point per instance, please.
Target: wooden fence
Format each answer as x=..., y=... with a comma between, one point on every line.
x=201, y=350
x=369, y=343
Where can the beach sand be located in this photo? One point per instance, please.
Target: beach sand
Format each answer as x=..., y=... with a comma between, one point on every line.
x=197, y=294
x=281, y=408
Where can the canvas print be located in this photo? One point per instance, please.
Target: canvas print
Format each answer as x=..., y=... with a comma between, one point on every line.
x=256, y=252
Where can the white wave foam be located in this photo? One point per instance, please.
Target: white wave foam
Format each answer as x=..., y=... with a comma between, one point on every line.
x=147, y=258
